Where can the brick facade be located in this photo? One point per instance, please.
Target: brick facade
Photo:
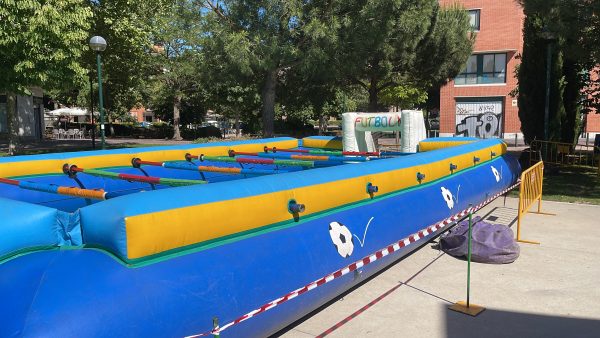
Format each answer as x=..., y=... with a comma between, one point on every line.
x=593, y=117
x=141, y=114
x=593, y=124
x=501, y=27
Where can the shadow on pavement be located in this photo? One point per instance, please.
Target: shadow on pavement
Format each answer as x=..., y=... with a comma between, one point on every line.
x=499, y=323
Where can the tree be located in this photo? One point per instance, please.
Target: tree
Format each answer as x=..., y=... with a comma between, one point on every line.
x=566, y=22
x=40, y=45
x=444, y=52
x=578, y=23
x=531, y=88
x=231, y=90
x=177, y=50
x=400, y=42
x=128, y=27
x=313, y=89
x=403, y=96
x=264, y=40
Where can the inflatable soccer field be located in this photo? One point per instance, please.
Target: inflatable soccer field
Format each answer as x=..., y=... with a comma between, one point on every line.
x=156, y=242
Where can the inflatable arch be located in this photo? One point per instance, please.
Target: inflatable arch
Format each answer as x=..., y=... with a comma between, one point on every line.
x=358, y=127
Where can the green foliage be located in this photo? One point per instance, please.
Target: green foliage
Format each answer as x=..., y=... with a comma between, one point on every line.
x=41, y=43
x=207, y=140
x=192, y=108
x=393, y=42
x=176, y=46
x=128, y=27
x=404, y=97
x=443, y=53
x=263, y=41
x=532, y=89
x=247, y=60
x=565, y=22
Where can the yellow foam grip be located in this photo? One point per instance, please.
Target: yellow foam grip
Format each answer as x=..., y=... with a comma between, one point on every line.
x=84, y=193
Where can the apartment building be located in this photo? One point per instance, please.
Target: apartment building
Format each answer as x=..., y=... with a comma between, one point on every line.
x=141, y=114
x=477, y=102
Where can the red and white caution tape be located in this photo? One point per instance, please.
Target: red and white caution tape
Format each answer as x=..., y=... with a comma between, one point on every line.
x=356, y=265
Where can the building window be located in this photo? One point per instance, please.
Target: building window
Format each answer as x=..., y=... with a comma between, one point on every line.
x=474, y=15
x=148, y=118
x=483, y=69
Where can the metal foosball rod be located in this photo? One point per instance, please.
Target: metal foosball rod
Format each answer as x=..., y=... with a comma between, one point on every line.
x=56, y=189
x=73, y=170
x=340, y=159
x=136, y=162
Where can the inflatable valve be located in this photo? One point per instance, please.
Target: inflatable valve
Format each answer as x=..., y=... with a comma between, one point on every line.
x=420, y=177
x=371, y=189
x=69, y=170
x=135, y=162
x=475, y=160
x=295, y=208
x=492, y=154
x=188, y=157
x=453, y=167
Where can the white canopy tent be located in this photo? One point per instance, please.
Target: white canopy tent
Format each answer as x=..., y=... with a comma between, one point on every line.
x=64, y=115
x=68, y=112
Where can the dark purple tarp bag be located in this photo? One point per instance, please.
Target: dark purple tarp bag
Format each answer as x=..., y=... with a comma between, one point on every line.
x=492, y=243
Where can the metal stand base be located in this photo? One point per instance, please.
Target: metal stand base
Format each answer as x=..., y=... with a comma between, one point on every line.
x=471, y=310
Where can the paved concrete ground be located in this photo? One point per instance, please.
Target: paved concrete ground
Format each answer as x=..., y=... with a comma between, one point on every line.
x=552, y=290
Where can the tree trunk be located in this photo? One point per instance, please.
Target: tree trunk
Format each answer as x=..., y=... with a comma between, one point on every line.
x=176, y=115
x=237, y=124
x=111, y=126
x=571, y=124
x=322, y=124
x=12, y=118
x=108, y=118
x=373, y=100
x=268, y=101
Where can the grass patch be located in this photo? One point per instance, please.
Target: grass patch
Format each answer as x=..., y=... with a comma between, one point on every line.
x=570, y=184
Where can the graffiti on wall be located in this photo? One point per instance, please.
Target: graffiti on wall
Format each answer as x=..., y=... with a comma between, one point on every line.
x=479, y=119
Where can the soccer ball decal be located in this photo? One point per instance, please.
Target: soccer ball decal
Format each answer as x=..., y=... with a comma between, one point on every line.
x=341, y=238
x=496, y=174
x=447, y=195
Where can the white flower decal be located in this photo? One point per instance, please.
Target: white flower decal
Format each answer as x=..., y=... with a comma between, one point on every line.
x=341, y=238
x=496, y=174
x=447, y=195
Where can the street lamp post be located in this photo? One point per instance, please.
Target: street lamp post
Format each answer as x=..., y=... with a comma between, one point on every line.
x=549, y=37
x=98, y=44
x=92, y=122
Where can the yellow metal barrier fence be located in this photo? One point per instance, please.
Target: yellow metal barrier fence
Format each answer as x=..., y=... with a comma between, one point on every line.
x=530, y=191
